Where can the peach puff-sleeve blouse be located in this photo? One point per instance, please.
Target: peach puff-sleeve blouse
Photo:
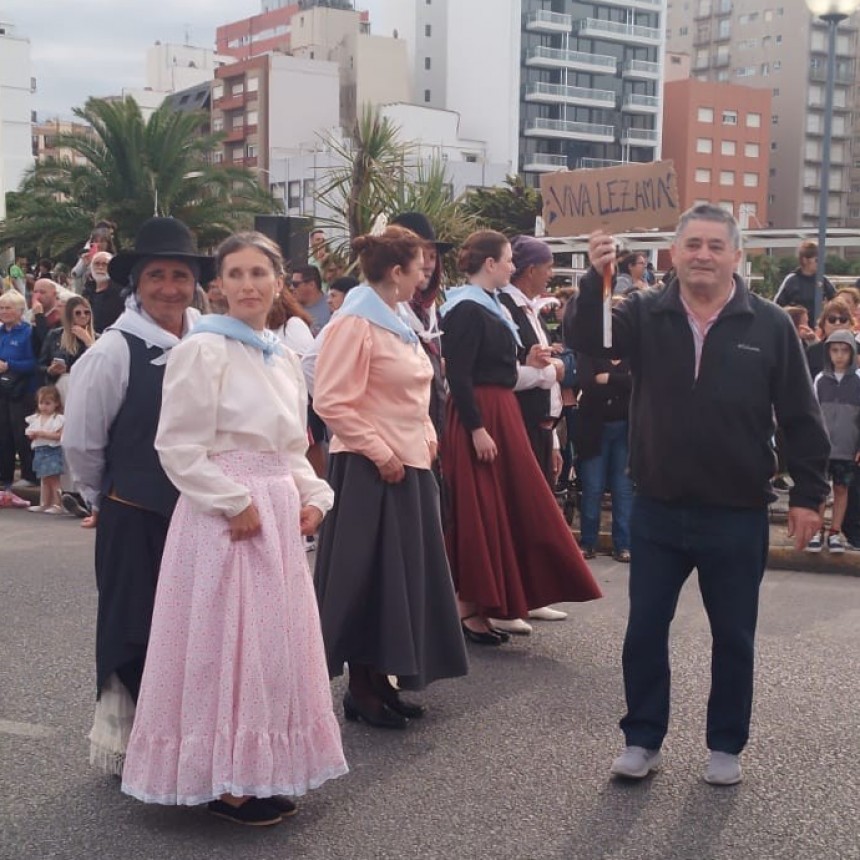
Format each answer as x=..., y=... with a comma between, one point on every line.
x=373, y=391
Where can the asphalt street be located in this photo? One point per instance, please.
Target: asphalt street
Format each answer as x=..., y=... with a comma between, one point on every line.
x=510, y=762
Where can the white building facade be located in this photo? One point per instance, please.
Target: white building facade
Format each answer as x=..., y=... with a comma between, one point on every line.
x=16, y=90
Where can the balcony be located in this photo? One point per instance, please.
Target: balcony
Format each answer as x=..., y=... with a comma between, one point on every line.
x=578, y=61
x=819, y=75
x=555, y=94
x=548, y=22
x=635, y=103
x=615, y=31
x=234, y=135
x=563, y=129
x=544, y=162
x=644, y=5
x=230, y=102
x=596, y=163
x=638, y=137
x=641, y=70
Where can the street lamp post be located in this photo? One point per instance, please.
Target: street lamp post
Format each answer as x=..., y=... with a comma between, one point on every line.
x=832, y=12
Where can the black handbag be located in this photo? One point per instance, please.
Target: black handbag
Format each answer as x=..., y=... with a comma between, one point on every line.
x=13, y=384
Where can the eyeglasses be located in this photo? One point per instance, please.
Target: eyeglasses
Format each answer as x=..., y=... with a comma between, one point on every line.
x=837, y=320
x=295, y=284
x=82, y=312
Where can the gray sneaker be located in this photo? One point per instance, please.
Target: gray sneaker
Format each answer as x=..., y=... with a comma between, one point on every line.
x=636, y=763
x=723, y=769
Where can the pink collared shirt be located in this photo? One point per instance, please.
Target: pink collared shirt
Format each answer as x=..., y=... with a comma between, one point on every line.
x=700, y=329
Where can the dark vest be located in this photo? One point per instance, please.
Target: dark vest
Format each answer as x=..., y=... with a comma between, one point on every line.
x=534, y=402
x=132, y=468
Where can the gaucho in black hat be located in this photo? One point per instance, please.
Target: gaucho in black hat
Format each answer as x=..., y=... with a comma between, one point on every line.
x=112, y=413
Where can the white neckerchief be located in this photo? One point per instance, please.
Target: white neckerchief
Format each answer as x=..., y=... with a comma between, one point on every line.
x=426, y=333
x=136, y=322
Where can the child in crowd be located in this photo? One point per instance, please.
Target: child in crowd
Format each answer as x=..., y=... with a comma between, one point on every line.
x=838, y=390
x=44, y=430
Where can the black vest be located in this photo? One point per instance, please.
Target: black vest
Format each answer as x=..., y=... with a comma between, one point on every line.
x=534, y=402
x=132, y=469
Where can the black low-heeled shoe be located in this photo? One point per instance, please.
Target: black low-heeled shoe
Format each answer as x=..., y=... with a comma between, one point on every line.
x=481, y=637
x=254, y=812
x=385, y=718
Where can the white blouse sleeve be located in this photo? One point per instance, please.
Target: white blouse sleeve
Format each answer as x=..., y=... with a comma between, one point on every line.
x=188, y=425
x=312, y=489
x=296, y=335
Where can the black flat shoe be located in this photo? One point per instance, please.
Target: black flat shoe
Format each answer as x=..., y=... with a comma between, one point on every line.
x=283, y=804
x=385, y=718
x=483, y=637
x=254, y=812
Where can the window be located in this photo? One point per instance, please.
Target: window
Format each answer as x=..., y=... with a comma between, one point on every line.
x=237, y=153
x=774, y=120
x=728, y=147
x=218, y=123
x=765, y=69
x=426, y=95
x=724, y=29
x=703, y=174
x=253, y=85
x=730, y=117
x=727, y=177
x=252, y=117
x=218, y=91
x=427, y=63
x=751, y=150
x=704, y=144
x=237, y=121
x=217, y=156
x=428, y=30
x=308, y=187
x=294, y=194
x=753, y=120
x=750, y=180
x=251, y=150
x=705, y=114
x=728, y=206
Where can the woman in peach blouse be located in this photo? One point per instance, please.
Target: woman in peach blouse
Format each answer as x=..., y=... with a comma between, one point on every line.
x=383, y=583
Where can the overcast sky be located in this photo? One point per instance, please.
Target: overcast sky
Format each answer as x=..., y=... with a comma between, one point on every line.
x=98, y=47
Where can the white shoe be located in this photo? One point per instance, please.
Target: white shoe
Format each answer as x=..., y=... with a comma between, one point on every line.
x=547, y=613
x=512, y=625
x=636, y=763
x=54, y=509
x=723, y=769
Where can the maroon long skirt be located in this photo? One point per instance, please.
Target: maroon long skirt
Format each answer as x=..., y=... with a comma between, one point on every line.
x=509, y=546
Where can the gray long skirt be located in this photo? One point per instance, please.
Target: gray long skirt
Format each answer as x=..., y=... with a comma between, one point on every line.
x=382, y=579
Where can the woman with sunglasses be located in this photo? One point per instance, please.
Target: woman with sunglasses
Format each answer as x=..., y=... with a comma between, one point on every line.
x=835, y=316
x=66, y=343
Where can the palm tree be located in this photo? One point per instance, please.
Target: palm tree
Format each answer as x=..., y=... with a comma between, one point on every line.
x=510, y=209
x=378, y=173
x=134, y=168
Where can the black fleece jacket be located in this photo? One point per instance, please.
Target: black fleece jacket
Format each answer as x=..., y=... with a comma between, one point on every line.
x=707, y=440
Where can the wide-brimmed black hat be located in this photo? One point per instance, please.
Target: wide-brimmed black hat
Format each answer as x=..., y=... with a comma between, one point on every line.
x=419, y=224
x=161, y=238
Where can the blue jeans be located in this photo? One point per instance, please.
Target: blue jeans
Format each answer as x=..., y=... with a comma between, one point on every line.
x=607, y=469
x=728, y=546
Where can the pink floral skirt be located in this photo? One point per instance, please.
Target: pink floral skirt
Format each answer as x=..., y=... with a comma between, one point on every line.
x=235, y=695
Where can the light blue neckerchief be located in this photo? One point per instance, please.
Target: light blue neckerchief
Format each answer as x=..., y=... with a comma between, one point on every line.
x=266, y=341
x=488, y=301
x=363, y=301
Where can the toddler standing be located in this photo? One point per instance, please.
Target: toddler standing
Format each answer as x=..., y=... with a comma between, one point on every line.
x=44, y=430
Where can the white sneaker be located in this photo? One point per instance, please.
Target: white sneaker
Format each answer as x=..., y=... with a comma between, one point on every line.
x=723, y=769
x=636, y=763
x=547, y=613
x=815, y=544
x=36, y=509
x=511, y=625
x=835, y=544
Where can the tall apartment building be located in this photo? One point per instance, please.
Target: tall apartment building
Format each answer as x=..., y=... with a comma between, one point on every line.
x=779, y=46
x=573, y=84
x=16, y=88
x=718, y=135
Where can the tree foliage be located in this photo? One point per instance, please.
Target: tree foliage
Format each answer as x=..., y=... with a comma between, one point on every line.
x=511, y=209
x=133, y=169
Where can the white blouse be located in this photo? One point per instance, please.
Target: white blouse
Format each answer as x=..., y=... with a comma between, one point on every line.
x=219, y=395
x=296, y=335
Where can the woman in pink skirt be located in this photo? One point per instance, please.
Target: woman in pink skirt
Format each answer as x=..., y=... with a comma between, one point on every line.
x=235, y=708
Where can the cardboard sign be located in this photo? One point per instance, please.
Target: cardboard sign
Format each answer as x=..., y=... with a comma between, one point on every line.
x=633, y=196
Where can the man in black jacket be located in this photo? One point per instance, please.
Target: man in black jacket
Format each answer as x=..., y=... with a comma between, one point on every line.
x=712, y=364
x=799, y=287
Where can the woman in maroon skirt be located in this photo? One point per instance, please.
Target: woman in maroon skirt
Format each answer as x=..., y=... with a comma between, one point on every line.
x=509, y=546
